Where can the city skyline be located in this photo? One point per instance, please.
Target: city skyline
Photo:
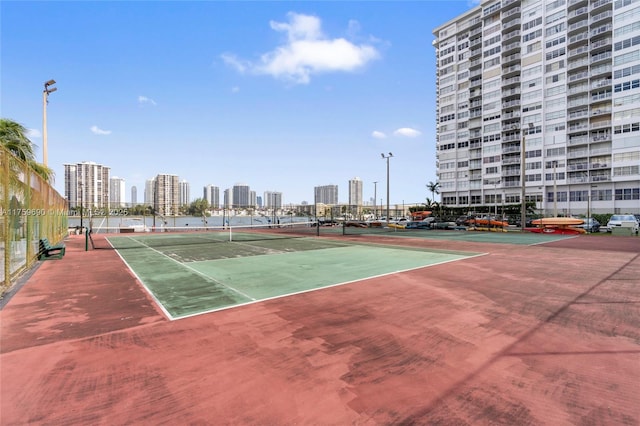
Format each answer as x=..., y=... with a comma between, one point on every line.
x=200, y=89
x=209, y=191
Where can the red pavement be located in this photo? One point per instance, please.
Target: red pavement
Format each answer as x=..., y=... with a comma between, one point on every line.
x=548, y=334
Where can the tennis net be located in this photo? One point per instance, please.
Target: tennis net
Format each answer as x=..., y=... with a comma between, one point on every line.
x=191, y=235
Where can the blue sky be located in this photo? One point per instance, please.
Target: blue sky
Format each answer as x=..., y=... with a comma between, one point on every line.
x=282, y=96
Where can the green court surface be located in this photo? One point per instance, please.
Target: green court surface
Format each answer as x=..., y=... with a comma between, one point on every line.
x=187, y=276
x=511, y=237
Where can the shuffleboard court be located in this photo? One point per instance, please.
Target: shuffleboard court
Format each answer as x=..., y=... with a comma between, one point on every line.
x=191, y=279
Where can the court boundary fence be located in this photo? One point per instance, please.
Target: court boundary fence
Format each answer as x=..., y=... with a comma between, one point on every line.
x=30, y=209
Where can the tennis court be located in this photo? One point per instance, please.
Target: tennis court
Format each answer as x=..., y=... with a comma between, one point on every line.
x=511, y=237
x=524, y=335
x=191, y=273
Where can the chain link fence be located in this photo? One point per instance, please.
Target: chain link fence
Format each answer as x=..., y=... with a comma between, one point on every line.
x=30, y=209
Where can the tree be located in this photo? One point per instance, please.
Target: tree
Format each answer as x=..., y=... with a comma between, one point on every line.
x=199, y=207
x=429, y=204
x=13, y=137
x=434, y=188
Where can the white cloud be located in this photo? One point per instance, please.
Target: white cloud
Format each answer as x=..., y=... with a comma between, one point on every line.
x=378, y=135
x=307, y=52
x=407, y=132
x=98, y=131
x=235, y=89
x=33, y=133
x=144, y=100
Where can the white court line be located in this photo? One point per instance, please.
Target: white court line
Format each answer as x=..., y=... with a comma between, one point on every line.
x=327, y=286
x=208, y=278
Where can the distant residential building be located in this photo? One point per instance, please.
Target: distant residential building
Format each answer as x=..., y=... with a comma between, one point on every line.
x=134, y=195
x=273, y=200
x=327, y=194
x=167, y=194
x=212, y=195
x=185, y=193
x=117, y=191
x=86, y=183
x=149, y=190
x=241, y=196
x=355, y=192
x=228, y=198
x=259, y=201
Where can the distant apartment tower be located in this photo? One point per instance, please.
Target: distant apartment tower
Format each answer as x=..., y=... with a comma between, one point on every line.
x=167, y=194
x=212, y=195
x=134, y=195
x=241, y=195
x=355, y=192
x=327, y=194
x=272, y=200
x=228, y=198
x=557, y=78
x=149, y=190
x=86, y=183
x=185, y=193
x=117, y=191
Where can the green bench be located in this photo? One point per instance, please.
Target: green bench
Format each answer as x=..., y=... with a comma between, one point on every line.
x=47, y=251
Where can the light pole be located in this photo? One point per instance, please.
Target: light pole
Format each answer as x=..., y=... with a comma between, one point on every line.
x=387, y=157
x=375, y=194
x=555, y=191
x=523, y=201
x=589, y=226
x=81, y=205
x=45, y=100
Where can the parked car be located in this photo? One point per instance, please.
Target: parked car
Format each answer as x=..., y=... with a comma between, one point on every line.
x=623, y=220
x=418, y=224
x=590, y=225
x=443, y=225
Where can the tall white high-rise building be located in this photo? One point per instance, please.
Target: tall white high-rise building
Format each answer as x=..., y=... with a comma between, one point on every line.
x=228, y=198
x=149, y=190
x=166, y=194
x=557, y=78
x=326, y=194
x=117, y=191
x=272, y=200
x=212, y=195
x=134, y=195
x=185, y=193
x=355, y=192
x=241, y=195
x=86, y=184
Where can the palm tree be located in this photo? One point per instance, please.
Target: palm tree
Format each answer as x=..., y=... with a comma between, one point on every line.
x=13, y=137
x=430, y=204
x=434, y=188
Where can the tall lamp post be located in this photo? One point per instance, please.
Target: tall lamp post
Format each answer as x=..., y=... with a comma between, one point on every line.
x=375, y=194
x=45, y=100
x=387, y=157
x=589, y=225
x=523, y=201
x=81, y=206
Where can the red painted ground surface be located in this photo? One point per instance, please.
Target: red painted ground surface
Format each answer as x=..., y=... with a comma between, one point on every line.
x=547, y=334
